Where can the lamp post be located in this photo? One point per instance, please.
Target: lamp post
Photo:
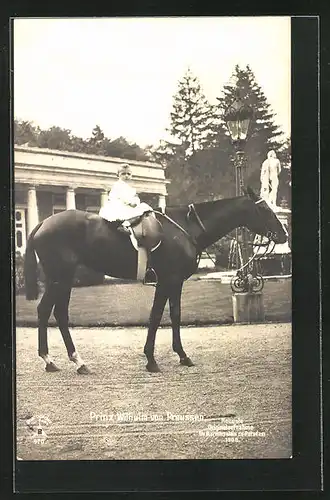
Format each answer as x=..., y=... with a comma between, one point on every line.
x=246, y=283
x=237, y=118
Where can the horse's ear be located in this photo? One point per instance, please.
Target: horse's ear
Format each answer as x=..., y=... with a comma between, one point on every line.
x=251, y=194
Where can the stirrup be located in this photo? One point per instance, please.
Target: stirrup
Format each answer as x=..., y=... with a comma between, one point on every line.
x=152, y=282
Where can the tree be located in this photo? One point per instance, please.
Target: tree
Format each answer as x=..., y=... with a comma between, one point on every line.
x=62, y=139
x=176, y=170
x=191, y=117
x=97, y=135
x=122, y=148
x=284, y=153
x=25, y=133
x=264, y=133
x=196, y=158
x=211, y=168
x=55, y=138
x=78, y=145
x=284, y=188
x=211, y=174
x=96, y=141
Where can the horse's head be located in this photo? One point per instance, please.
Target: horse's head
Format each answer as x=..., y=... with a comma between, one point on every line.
x=263, y=220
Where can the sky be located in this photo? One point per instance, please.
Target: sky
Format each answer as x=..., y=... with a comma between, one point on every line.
x=122, y=73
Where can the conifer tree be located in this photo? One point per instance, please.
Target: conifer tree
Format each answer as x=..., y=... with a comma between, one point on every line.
x=284, y=189
x=264, y=134
x=191, y=117
x=196, y=156
x=97, y=135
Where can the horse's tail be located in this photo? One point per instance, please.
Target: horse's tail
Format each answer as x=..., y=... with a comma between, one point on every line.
x=30, y=268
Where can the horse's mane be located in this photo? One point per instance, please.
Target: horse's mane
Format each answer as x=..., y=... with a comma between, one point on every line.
x=202, y=205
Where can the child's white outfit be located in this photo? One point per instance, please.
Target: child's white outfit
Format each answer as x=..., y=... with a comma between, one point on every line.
x=123, y=203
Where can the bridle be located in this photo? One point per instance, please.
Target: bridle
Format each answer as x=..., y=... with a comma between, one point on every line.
x=271, y=235
x=269, y=245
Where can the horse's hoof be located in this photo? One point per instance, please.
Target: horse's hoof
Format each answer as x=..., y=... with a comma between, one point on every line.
x=186, y=362
x=51, y=367
x=153, y=367
x=83, y=370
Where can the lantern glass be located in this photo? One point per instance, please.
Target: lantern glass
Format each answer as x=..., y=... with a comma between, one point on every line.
x=243, y=126
x=238, y=118
x=233, y=129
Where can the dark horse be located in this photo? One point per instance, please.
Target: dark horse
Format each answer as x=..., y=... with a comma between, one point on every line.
x=75, y=237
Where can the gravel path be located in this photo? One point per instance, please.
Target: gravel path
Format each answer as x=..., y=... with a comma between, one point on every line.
x=234, y=403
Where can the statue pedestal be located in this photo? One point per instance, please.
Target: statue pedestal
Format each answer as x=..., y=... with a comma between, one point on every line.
x=248, y=307
x=282, y=212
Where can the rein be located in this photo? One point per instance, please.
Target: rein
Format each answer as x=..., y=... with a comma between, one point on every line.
x=191, y=238
x=257, y=256
x=192, y=209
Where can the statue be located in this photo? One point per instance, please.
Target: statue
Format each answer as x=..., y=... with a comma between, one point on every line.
x=270, y=171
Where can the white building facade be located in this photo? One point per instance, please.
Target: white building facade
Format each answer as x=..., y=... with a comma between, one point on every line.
x=48, y=181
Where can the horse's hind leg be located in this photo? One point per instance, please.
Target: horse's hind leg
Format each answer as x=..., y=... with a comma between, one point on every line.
x=44, y=309
x=61, y=313
x=175, y=313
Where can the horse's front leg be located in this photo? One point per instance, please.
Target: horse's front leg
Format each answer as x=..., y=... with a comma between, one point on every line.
x=156, y=314
x=175, y=313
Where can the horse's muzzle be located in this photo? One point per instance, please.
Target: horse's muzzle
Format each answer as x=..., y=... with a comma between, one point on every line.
x=277, y=238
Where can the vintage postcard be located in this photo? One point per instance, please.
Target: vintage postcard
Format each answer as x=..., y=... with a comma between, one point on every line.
x=152, y=166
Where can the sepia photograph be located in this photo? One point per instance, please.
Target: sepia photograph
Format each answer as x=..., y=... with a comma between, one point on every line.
x=152, y=221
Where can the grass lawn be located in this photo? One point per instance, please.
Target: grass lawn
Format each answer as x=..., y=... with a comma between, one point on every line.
x=203, y=302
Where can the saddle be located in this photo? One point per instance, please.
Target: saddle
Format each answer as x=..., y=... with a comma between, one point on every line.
x=146, y=236
x=147, y=230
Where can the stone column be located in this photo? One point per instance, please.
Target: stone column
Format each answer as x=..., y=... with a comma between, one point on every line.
x=104, y=198
x=32, y=209
x=162, y=201
x=70, y=198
